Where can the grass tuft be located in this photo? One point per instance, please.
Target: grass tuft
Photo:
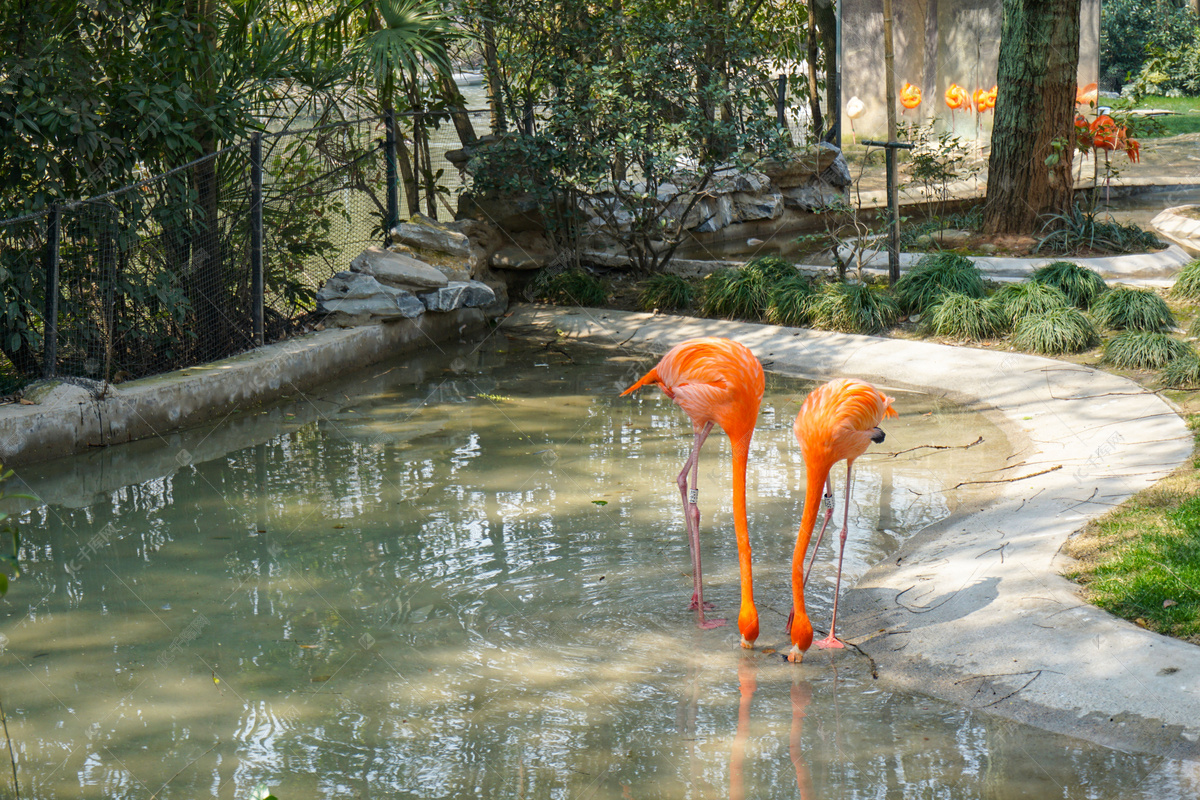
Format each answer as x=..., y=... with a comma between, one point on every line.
x=1187, y=283
x=974, y=318
x=734, y=293
x=572, y=287
x=934, y=275
x=1182, y=373
x=790, y=302
x=1142, y=350
x=1020, y=300
x=771, y=269
x=1059, y=330
x=1080, y=285
x=1126, y=308
x=1079, y=228
x=854, y=308
x=667, y=292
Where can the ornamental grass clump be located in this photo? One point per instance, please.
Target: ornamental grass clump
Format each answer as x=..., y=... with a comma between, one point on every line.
x=572, y=287
x=961, y=317
x=790, y=302
x=1182, y=373
x=1059, y=330
x=1142, y=350
x=1126, y=308
x=1020, y=300
x=734, y=293
x=935, y=275
x=666, y=292
x=854, y=308
x=770, y=270
x=1187, y=283
x=1080, y=285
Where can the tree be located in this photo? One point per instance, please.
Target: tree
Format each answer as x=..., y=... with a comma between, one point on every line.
x=1029, y=171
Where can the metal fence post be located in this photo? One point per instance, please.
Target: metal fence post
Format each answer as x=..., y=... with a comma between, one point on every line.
x=393, y=187
x=50, y=325
x=256, y=238
x=781, y=101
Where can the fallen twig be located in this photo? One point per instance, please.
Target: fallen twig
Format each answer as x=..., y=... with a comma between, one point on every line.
x=1010, y=480
x=935, y=447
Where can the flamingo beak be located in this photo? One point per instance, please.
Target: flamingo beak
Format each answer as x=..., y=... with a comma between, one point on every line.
x=877, y=435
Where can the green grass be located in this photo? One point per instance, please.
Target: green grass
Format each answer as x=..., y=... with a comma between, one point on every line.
x=1080, y=285
x=734, y=294
x=1185, y=120
x=1194, y=328
x=666, y=292
x=1020, y=300
x=1142, y=350
x=1182, y=373
x=790, y=302
x=934, y=275
x=770, y=269
x=1126, y=308
x=1059, y=330
x=854, y=308
x=573, y=287
x=1079, y=228
x=1187, y=284
x=961, y=317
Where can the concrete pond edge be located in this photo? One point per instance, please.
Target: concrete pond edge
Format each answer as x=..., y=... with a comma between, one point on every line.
x=973, y=609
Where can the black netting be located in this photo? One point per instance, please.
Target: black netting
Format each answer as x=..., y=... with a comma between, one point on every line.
x=23, y=297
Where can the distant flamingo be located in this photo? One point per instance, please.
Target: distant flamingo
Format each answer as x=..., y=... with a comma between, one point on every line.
x=1086, y=95
x=837, y=421
x=716, y=381
x=854, y=110
x=910, y=96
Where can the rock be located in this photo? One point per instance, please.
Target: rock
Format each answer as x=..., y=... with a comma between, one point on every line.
x=514, y=213
x=513, y=257
x=56, y=392
x=802, y=168
x=398, y=270
x=837, y=173
x=477, y=294
x=447, y=298
x=350, y=286
x=951, y=237
x=500, y=304
x=715, y=212
x=359, y=297
x=605, y=257
x=811, y=197
x=748, y=206
x=421, y=231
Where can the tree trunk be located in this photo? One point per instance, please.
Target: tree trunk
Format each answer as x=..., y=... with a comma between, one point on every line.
x=1039, y=58
x=814, y=96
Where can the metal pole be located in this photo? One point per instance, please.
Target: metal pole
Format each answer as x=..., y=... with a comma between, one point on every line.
x=893, y=196
x=50, y=326
x=393, y=186
x=781, y=102
x=256, y=239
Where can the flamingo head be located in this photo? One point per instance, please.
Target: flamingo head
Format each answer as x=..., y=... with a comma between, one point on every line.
x=802, y=636
x=877, y=435
x=855, y=108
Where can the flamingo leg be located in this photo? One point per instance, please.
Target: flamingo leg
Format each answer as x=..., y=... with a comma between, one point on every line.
x=831, y=641
x=828, y=500
x=691, y=513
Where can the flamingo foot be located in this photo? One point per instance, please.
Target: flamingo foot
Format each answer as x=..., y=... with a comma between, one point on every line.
x=747, y=644
x=695, y=606
x=829, y=643
x=709, y=624
x=796, y=655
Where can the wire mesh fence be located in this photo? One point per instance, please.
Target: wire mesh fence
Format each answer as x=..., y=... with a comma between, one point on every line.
x=168, y=273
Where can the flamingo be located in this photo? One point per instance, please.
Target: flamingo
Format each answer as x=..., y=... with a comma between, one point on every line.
x=837, y=421
x=910, y=96
x=1086, y=95
x=716, y=381
x=854, y=109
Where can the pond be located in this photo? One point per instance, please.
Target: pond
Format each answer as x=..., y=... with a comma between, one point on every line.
x=466, y=575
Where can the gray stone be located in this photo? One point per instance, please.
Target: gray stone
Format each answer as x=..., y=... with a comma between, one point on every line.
x=398, y=270
x=727, y=180
x=715, y=213
x=57, y=392
x=516, y=257
x=811, y=197
x=838, y=172
x=801, y=168
x=748, y=206
x=350, y=286
x=384, y=306
x=477, y=294
x=607, y=257
x=447, y=298
x=421, y=231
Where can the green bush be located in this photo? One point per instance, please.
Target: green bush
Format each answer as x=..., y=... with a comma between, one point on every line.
x=572, y=287
x=1183, y=372
x=666, y=292
x=1080, y=285
x=1079, y=228
x=854, y=308
x=1194, y=328
x=1020, y=300
x=962, y=317
x=1127, y=27
x=934, y=275
x=1142, y=350
x=1187, y=283
x=789, y=303
x=734, y=294
x=771, y=269
x=1059, y=330
x=1126, y=308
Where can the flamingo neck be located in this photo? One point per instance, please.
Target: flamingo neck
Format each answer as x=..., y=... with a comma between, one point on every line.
x=816, y=476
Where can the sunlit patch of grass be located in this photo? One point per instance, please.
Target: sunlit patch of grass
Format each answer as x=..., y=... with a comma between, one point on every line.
x=1142, y=350
x=1183, y=372
x=1020, y=300
x=854, y=308
x=1187, y=284
x=1080, y=285
x=935, y=275
x=1059, y=330
x=572, y=287
x=667, y=292
x=974, y=318
x=1126, y=308
x=790, y=301
x=734, y=294
x=771, y=270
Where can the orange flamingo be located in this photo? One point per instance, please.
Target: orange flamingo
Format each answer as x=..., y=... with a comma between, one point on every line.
x=716, y=381
x=957, y=98
x=837, y=421
x=1086, y=95
x=910, y=96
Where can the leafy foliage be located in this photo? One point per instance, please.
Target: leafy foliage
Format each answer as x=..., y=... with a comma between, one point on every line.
x=1187, y=283
x=1019, y=300
x=1080, y=228
x=934, y=275
x=1059, y=330
x=771, y=269
x=735, y=293
x=854, y=308
x=1080, y=284
x=570, y=287
x=789, y=302
x=1128, y=27
x=667, y=292
x=936, y=161
x=1142, y=350
x=962, y=317
x=1182, y=372
x=1127, y=308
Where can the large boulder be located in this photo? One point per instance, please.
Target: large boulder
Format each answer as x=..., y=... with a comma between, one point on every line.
x=750, y=206
x=356, y=298
x=803, y=168
x=527, y=250
x=459, y=294
x=429, y=234
x=715, y=212
x=398, y=270
x=813, y=197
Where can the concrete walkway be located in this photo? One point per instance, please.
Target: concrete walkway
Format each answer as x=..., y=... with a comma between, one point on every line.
x=973, y=609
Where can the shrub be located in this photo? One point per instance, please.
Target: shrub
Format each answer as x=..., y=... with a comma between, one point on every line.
x=1183, y=372
x=1126, y=308
x=854, y=308
x=1187, y=283
x=573, y=286
x=734, y=293
x=790, y=302
x=962, y=317
x=668, y=292
x=771, y=269
x=1080, y=285
x=1078, y=229
x=1020, y=300
x=1141, y=350
x=935, y=275
x=1059, y=330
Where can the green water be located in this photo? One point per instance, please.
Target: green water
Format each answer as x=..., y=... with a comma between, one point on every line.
x=466, y=576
